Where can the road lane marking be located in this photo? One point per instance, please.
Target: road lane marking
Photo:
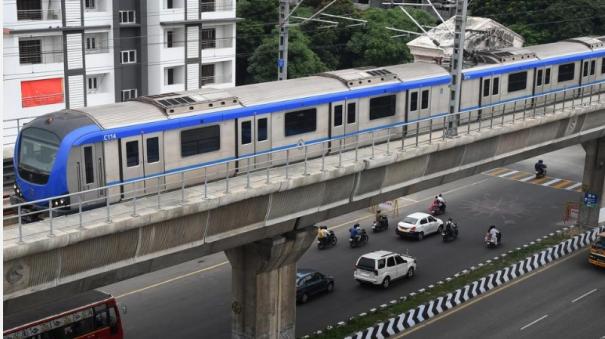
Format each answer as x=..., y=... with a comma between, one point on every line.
x=473, y=301
x=507, y=174
x=527, y=178
x=584, y=295
x=539, y=181
x=564, y=183
x=173, y=279
x=577, y=184
x=497, y=171
x=553, y=181
x=519, y=176
x=369, y=215
x=534, y=322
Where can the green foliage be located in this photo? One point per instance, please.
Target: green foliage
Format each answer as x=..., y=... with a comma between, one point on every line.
x=302, y=60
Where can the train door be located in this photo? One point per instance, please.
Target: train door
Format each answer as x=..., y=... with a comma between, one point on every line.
x=352, y=123
x=245, y=141
x=424, y=109
x=153, y=161
x=490, y=95
x=542, y=84
x=589, y=75
x=337, y=125
x=413, y=113
x=263, y=140
x=90, y=173
x=131, y=164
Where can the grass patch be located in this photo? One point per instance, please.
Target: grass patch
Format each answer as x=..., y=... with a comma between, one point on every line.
x=359, y=323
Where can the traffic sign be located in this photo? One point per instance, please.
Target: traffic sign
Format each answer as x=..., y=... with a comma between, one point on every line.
x=590, y=199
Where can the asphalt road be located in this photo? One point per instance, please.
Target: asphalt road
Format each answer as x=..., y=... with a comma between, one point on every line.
x=564, y=300
x=193, y=299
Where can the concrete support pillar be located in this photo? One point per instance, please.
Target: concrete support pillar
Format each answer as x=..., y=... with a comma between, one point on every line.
x=593, y=181
x=264, y=285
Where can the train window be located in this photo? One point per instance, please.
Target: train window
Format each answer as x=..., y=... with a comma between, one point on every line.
x=547, y=76
x=261, y=132
x=413, y=101
x=593, y=65
x=486, y=87
x=351, y=113
x=495, y=86
x=603, y=66
x=338, y=115
x=300, y=122
x=539, y=78
x=566, y=72
x=517, y=81
x=425, y=99
x=88, y=165
x=585, y=71
x=153, y=149
x=132, y=153
x=383, y=107
x=200, y=140
x=246, y=132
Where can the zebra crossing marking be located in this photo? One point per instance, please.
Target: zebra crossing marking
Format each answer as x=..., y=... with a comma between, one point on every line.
x=557, y=183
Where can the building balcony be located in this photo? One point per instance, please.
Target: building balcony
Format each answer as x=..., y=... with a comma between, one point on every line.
x=217, y=9
x=38, y=14
x=172, y=14
x=214, y=80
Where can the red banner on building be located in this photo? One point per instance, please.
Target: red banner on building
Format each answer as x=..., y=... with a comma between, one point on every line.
x=41, y=92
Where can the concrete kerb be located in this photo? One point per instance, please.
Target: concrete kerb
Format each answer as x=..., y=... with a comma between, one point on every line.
x=384, y=329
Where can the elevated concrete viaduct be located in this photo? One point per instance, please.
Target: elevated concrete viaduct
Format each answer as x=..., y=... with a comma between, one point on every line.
x=265, y=229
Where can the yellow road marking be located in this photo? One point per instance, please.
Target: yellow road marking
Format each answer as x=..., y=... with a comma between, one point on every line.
x=519, y=175
x=498, y=171
x=562, y=184
x=579, y=189
x=460, y=307
x=539, y=181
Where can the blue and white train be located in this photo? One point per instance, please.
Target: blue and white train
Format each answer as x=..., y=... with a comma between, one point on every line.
x=80, y=149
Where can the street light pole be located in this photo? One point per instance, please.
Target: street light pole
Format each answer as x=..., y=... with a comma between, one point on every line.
x=456, y=64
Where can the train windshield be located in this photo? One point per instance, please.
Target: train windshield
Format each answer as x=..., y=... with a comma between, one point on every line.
x=37, y=152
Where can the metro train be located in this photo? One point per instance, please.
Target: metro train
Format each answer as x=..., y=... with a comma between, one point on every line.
x=76, y=150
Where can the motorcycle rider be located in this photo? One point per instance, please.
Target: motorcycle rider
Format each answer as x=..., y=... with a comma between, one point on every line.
x=450, y=226
x=493, y=233
x=441, y=201
x=540, y=166
x=323, y=233
x=355, y=232
x=379, y=217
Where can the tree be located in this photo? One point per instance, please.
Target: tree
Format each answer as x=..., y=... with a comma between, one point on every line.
x=302, y=61
x=374, y=44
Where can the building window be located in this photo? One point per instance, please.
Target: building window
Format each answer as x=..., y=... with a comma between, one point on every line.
x=246, y=132
x=30, y=52
x=300, y=122
x=200, y=140
x=337, y=115
x=425, y=99
x=351, y=107
x=169, y=39
x=153, y=149
x=208, y=38
x=41, y=92
x=169, y=4
x=129, y=94
x=261, y=132
x=413, y=101
x=29, y=10
x=566, y=72
x=207, y=5
x=91, y=43
x=517, y=81
x=128, y=17
x=90, y=4
x=132, y=153
x=129, y=57
x=208, y=74
x=170, y=76
x=383, y=107
x=92, y=84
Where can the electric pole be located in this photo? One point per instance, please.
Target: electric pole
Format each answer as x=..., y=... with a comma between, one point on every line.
x=456, y=64
x=282, y=59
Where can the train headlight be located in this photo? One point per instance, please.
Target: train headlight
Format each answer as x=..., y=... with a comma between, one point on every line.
x=17, y=190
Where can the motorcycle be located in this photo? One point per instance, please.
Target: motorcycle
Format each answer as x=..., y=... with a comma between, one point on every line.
x=541, y=174
x=359, y=241
x=436, y=209
x=382, y=225
x=489, y=241
x=327, y=242
x=449, y=235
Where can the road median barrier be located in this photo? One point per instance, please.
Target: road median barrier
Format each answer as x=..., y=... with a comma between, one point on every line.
x=407, y=311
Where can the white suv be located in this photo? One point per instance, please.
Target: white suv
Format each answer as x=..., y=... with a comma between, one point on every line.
x=382, y=267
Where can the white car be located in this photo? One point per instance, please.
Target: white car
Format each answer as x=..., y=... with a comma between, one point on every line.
x=418, y=225
x=382, y=267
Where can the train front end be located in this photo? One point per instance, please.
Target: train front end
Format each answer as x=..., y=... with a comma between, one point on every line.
x=41, y=156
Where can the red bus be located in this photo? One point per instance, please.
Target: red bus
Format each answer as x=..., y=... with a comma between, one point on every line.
x=91, y=315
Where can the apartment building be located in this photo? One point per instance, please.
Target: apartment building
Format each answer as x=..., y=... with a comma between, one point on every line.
x=73, y=53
